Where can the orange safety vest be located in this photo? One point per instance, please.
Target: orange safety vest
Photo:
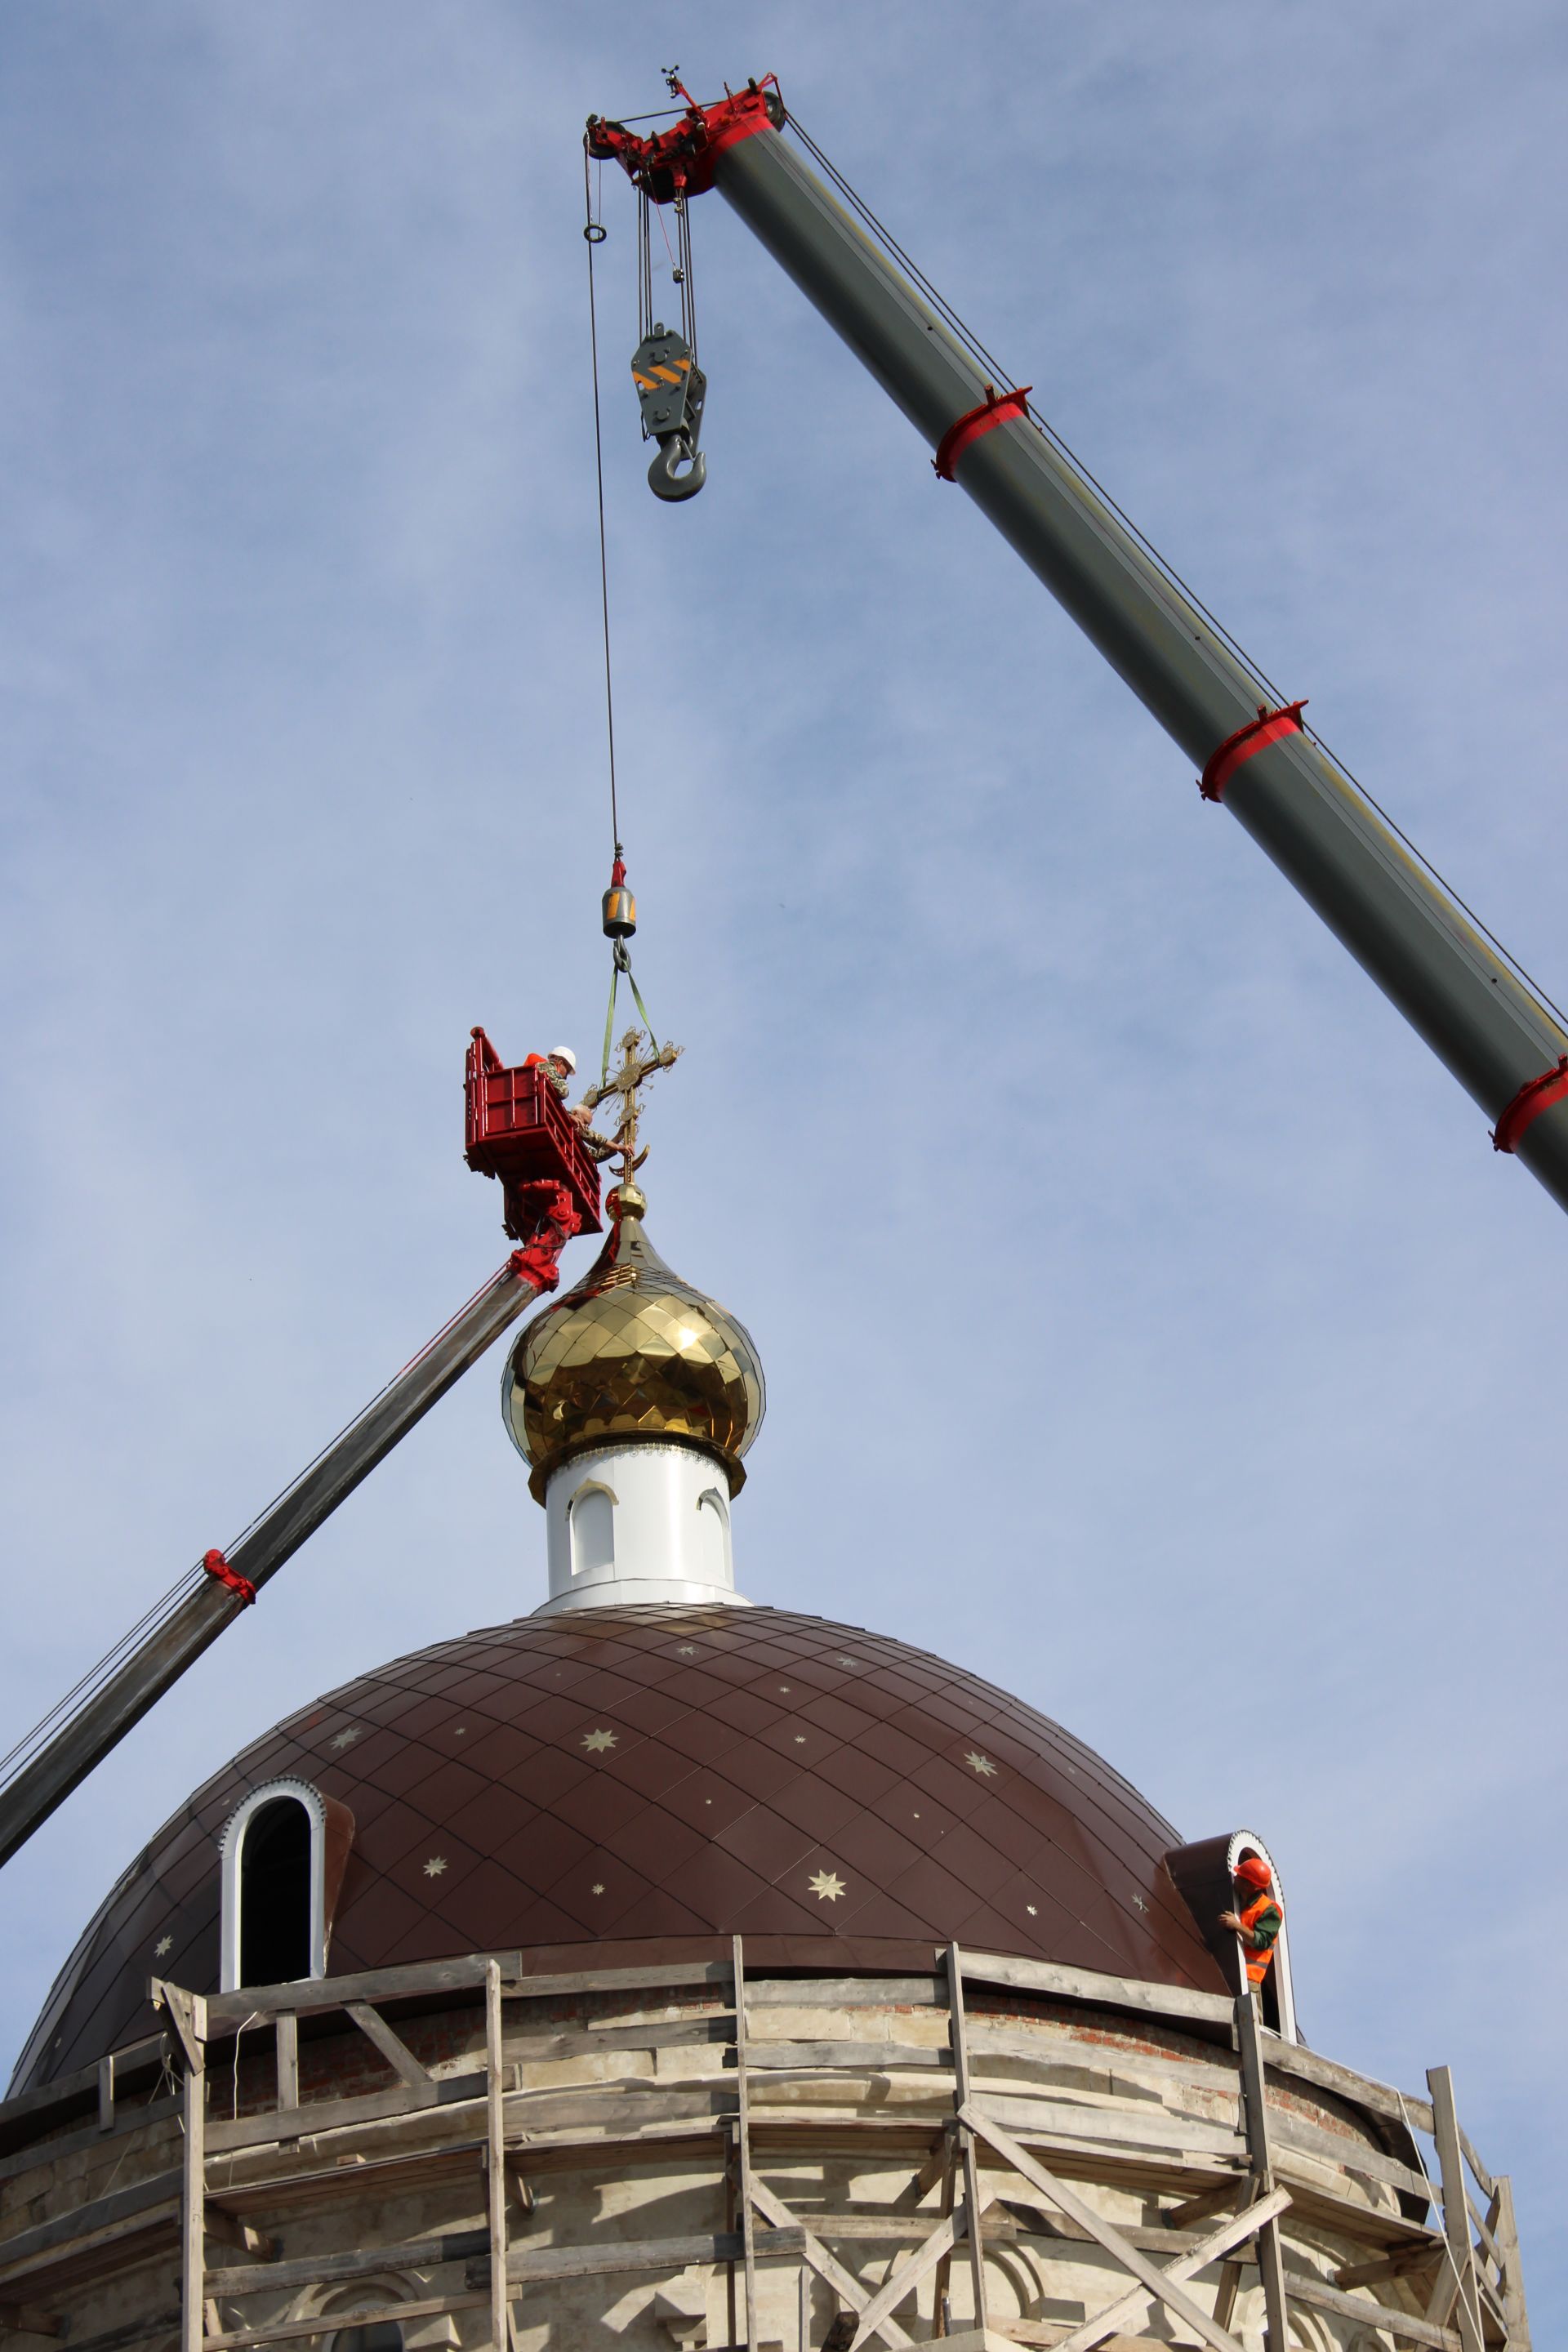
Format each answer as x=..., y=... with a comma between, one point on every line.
x=1258, y=1962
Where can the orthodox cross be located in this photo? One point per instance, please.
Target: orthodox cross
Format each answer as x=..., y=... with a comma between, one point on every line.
x=621, y=1087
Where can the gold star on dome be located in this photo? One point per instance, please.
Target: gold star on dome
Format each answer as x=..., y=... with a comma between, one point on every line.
x=827, y=1886
x=598, y=1743
x=346, y=1738
x=597, y=1890
x=164, y=1943
x=1031, y=1910
x=435, y=1865
x=687, y=1649
x=981, y=1764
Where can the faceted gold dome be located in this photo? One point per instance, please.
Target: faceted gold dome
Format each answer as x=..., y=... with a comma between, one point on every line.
x=633, y=1351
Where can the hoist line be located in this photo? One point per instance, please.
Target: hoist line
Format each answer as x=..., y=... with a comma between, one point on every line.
x=599, y=473
x=1000, y=377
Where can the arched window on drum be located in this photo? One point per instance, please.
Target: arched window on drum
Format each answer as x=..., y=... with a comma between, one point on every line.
x=284, y=1853
x=1203, y=1875
x=593, y=1526
x=1277, y=1995
x=713, y=1563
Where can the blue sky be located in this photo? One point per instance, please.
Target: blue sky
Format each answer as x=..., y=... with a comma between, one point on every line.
x=1148, y=1322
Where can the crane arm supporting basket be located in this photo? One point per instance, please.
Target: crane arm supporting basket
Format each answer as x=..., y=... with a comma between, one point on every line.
x=81, y=1734
x=1477, y=1016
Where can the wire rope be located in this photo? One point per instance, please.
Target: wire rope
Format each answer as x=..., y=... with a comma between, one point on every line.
x=999, y=375
x=593, y=240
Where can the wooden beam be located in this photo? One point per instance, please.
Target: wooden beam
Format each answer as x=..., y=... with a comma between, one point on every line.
x=1175, y=2001
x=396, y=2051
x=1400, y=2263
x=1484, y=2180
x=1256, y=2121
x=1194, y=2209
x=942, y=2282
x=863, y=2057
x=1513, y=2307
x=743, y=2141
x=958, y=2037
x=1131, y=2307
x=495, y=2161
x=193, y=2187
x=387, y=2314
x=229, y=2231
x=1362, y=2090
x=338, y=2270
x=286, y=2036
x=228, y=2011
x=1456, y=2210
x=29, y=2319
x=103, y=2212
x=908, y=2275
x=186, y=2012
x=517, y=1987
x=609, y=2256
x=844, y=2285
x=1057, y=2191
x=846, y=1992
x=1373, y=2314
x=78, y=2090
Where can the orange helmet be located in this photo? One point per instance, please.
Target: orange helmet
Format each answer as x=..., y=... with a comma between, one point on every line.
x=1253, y=1870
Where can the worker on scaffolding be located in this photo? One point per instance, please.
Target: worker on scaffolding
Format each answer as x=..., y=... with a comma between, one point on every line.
x=1258, y=1921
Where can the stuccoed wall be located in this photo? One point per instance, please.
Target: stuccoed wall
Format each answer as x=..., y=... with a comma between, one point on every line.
x=1152, y=2106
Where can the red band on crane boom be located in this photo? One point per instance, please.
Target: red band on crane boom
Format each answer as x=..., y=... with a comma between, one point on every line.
x=218, y=1568
x=1246, y=742
x=1535, y=1095
x=996, y=408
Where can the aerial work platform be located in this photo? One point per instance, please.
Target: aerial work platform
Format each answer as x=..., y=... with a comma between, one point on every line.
x=517, y=1128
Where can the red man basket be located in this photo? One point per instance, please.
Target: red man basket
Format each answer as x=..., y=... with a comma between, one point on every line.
x=517, y=1128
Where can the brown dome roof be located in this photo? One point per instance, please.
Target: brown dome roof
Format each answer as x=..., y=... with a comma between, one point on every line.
x=627, y=1785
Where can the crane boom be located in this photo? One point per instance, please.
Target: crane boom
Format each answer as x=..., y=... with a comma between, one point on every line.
x=1304, y=812
x=84, y=1729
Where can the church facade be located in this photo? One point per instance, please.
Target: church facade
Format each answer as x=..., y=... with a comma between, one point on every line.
x=661, y=1969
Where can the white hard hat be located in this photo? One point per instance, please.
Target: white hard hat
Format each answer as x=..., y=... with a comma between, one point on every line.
x=565, y=1053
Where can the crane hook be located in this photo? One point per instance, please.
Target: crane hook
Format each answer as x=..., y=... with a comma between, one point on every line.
x=662, y=478
x=671, y=389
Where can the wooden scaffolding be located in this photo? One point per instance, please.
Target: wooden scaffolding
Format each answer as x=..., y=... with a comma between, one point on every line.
x=1008, y=2164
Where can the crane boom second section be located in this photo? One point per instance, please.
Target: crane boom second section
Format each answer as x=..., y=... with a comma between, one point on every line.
x=87, y=1726
x=1490, y=1030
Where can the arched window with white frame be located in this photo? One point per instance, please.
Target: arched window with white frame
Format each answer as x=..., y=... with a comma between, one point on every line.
x=714, y=1563
x=1277, y=1996
x=591, y=1522
x=283, y=1851
x=1203, y=1875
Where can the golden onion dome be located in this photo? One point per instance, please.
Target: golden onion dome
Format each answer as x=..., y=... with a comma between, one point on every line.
x=632, y=1352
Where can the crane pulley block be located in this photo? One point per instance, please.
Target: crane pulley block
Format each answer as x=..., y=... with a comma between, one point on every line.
x=679, y=160
x=671, y=389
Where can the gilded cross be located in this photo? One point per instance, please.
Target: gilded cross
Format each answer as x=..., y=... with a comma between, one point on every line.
x=622, y=1088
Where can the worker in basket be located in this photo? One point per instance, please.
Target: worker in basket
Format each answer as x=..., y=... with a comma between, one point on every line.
x=1260, y=1919
x=559, y=1066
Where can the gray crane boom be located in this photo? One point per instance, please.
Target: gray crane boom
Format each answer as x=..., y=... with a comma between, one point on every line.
x=1490, y=1030
x=82, y=1733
